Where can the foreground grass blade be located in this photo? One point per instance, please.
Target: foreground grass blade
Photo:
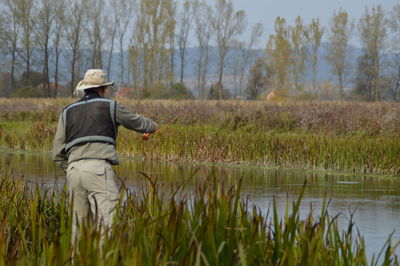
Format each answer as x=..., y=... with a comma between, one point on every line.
x=210, y=225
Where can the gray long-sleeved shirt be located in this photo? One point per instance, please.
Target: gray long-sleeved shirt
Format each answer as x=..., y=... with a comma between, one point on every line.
x=97, y=150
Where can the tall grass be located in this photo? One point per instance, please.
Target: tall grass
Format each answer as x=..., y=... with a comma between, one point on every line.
x=355, y=153
x=210, y=226
x=357, y=137
x=310, y=117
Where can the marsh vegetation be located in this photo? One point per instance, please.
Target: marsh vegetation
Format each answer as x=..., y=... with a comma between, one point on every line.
x=355, y=137
x=211, y=225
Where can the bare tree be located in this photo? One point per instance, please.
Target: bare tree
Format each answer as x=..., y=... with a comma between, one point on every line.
x=10, y=32
x=257, y=79
x=26, y=15
x=184, y=25
x=227, y=26
x=202, y=16
x=111, y=29
x=316, y=31
x=122, y=12
x=395, y=76
x=59, y=19
x=373, y=35
x=341, y=29
x=96, y=30
x=246, y=55
x=44, y=31
x=395, y=27
x=74, y=27
x=136, y=51
x=170, y=52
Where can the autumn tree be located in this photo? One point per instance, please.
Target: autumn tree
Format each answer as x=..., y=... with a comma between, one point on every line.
x=278, y=53
x=373, y=35
x=149, y=51
x=341, y=29
x=227, y=25
x=316, y=31
x=298, y=38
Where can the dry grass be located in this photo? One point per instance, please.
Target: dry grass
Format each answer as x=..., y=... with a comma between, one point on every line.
x=324, y=117
x=358, y=137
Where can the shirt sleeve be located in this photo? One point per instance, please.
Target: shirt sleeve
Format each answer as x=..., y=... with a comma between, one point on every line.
x=59, y=156
x=133, y=121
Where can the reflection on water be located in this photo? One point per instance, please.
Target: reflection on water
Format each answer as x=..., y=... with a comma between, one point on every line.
x=375, y=200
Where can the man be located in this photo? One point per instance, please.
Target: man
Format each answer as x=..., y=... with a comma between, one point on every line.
x=85, y=148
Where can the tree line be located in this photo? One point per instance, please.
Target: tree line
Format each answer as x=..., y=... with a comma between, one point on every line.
x=148, y=37
x=291, y=49
x=39, y=34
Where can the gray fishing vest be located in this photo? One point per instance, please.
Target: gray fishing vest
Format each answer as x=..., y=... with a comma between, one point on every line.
x=90, y=121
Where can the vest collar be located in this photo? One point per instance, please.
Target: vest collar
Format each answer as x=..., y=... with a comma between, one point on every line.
x=90, y=95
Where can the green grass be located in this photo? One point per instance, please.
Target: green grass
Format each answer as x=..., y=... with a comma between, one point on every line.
x=211, y=226
x=353, y=153
x=351, y=137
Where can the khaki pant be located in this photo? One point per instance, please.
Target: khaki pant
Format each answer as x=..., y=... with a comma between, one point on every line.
x=93, y=190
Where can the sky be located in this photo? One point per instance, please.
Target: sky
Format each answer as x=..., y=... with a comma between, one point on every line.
x=266, y=11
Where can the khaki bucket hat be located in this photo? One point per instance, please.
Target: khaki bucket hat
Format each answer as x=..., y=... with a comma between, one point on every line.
x=94, y=78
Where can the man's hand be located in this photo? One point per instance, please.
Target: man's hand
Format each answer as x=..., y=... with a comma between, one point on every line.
x=147, y=135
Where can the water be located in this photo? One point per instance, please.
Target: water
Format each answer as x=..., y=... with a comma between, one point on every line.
x=374, y=201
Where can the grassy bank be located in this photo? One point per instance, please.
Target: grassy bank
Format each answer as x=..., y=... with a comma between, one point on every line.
x=357, y=137
x=211, y=226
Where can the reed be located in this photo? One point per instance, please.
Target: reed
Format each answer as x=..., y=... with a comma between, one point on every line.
x=355, y=137
x=310, y=117
x=211, y=225
x=353, y=153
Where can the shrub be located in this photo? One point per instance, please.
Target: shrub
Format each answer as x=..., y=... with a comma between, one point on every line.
x=175, y=91
x=27, y=92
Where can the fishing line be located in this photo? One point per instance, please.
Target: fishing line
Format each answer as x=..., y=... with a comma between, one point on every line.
x=165, y=123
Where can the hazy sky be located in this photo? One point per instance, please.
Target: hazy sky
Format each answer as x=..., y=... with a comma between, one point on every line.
x=265, y=11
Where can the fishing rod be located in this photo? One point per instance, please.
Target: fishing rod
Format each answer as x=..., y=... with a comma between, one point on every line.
x=166, y=122
x=169, y=120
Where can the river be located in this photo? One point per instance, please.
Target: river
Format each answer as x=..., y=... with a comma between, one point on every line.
x=374, y=201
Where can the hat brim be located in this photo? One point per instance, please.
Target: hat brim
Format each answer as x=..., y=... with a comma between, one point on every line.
x=82, y=87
